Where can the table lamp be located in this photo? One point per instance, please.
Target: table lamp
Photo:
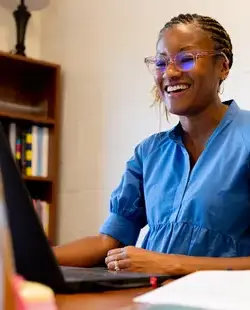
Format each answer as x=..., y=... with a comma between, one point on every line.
x=21, y=12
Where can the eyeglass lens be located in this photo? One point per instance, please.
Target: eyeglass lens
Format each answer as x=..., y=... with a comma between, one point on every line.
x=183, y=61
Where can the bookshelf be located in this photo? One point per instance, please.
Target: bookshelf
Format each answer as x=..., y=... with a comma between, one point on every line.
x=30, y=116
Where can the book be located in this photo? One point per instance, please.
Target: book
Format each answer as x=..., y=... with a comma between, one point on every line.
x=30, y=147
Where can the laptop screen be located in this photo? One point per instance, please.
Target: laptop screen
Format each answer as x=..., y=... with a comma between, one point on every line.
x=33, y=256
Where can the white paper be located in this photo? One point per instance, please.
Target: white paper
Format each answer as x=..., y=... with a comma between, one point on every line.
x=208, y=290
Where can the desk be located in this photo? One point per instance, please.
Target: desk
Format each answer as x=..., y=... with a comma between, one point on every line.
x=110, y=300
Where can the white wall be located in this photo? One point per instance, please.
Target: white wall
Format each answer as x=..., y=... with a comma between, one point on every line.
x=8, y=33
x=101, y=46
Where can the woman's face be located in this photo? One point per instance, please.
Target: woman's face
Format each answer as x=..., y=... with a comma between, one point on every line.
x=189, y=92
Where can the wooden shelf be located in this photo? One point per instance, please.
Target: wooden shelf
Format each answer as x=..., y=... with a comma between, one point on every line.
x=26, y=117
x=35, y=84
x=36, y=179
x=5, y=56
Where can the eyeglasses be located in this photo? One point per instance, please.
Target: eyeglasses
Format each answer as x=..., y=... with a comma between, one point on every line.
x=184, y=61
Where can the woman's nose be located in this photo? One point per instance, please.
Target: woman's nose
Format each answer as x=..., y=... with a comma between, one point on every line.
x=172, y=71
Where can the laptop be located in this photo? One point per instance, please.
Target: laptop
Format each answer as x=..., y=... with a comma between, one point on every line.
x=33, y=256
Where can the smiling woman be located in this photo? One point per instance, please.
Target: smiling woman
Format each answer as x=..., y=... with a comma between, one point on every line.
x=189, y=184
x=198, y=38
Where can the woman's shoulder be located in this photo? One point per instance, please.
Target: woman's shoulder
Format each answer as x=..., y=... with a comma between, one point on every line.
x=244, y=118
x=243, y=125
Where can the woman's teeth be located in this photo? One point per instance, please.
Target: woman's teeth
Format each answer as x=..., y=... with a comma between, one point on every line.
x=175, y=88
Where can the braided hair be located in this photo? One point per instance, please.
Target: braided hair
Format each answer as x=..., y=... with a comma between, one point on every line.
x=211, y=26
x=216, y=31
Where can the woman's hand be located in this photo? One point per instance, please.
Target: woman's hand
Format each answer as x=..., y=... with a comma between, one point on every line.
x=139, y=260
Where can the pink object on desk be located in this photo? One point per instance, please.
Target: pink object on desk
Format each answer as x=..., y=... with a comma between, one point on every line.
x=32, y=295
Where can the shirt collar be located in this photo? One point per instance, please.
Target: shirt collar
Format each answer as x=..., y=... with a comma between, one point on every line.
x=175, y=133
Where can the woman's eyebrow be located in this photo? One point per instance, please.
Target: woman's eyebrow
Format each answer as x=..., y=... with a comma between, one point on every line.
x=182, y=49
x=187, y=47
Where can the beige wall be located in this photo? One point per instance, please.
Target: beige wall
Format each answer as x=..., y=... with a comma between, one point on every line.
x=105, y=106
x=101, y=46
x=8, y=33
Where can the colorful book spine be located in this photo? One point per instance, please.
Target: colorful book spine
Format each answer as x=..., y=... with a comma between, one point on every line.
x=30, y=147
x=18, y=152
x=34, y=150
x=40, y=151
x=28, y=152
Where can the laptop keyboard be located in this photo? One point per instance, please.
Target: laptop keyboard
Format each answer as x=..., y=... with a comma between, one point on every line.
x=84, y=272
x=74, y=273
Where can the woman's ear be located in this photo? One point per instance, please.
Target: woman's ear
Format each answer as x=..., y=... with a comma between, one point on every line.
x=224, y=69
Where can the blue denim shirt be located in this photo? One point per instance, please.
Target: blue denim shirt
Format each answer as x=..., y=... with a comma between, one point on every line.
x=201, y=212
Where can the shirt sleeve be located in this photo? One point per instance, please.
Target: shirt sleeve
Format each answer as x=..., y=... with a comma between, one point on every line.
x=127, y=207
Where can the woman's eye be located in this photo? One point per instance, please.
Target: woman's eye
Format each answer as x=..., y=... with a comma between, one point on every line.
x=186, y=58
x=160, y=63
